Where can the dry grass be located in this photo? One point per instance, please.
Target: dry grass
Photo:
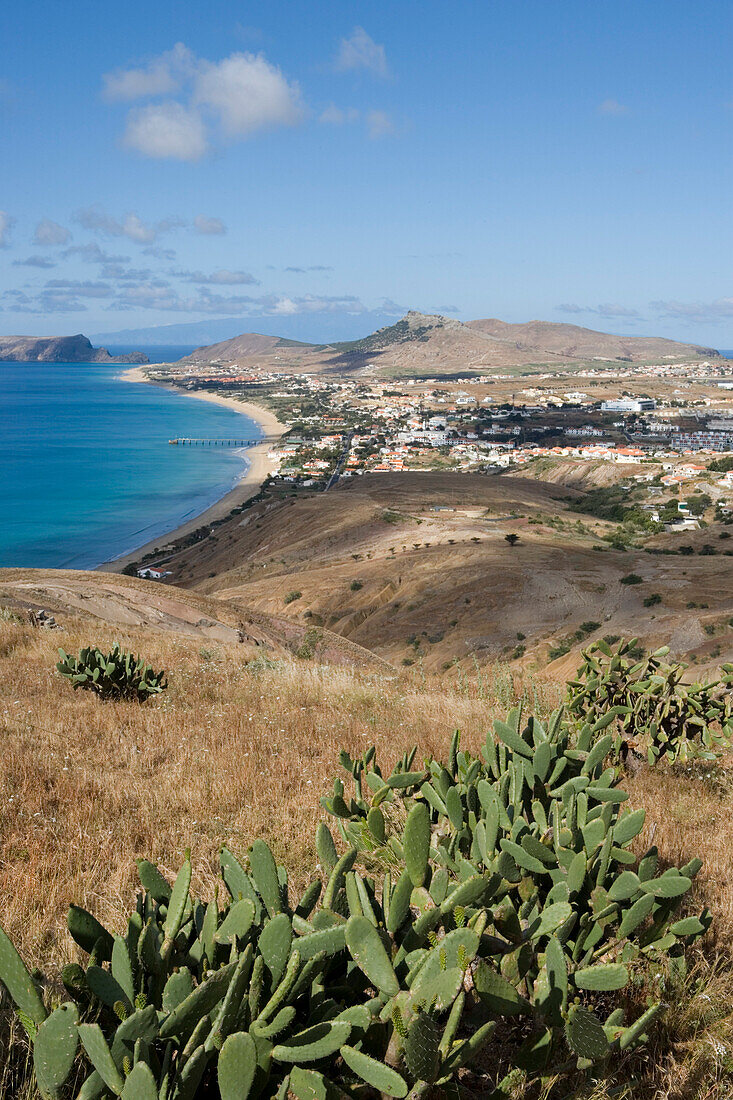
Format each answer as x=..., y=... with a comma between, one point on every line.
x=231, y=752
x=225, y=755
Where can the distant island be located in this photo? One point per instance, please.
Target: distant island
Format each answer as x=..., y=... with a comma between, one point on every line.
x=59, y=349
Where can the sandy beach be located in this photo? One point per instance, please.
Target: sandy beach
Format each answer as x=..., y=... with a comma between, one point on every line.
x=260, y=467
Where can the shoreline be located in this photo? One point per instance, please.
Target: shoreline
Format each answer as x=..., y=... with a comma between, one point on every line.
x=259, y=467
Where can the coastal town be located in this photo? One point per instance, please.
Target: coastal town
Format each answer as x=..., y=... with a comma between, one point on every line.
x=659, y=428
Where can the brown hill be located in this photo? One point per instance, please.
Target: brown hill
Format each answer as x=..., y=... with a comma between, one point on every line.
x=430, y=345
x=416, y=568
x=132, y=604
x=240, y=347
x=572, y=341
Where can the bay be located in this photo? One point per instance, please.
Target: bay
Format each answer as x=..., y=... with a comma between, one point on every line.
x=86, y=470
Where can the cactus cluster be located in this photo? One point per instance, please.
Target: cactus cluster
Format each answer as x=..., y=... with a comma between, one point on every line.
x=511, y=911
x=113, y=675
x=534, y=839
x=657, y=715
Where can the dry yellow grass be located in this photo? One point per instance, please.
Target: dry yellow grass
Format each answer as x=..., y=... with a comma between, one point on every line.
x=225, y=755
x=229, y=753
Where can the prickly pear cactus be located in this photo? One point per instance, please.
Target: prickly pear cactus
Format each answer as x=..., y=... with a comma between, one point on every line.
x=653, y=713
x=114, y=675
x=462, y=903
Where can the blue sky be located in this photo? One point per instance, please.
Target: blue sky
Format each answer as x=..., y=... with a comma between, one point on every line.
x=324, y=167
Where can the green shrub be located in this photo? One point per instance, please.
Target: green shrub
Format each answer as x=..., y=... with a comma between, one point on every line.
x=645, y=704
x=509, y=908
x=114, y=675
x=632, y=578
x=653, y=600
x=292, y=596
x=311, y=639
x=356, y=585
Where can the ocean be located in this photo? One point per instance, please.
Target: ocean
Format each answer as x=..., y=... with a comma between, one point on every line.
x=86, y=471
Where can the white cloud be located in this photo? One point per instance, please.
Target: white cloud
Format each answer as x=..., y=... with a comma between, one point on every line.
x=165, y=299
x=48, y=301
x=719, y=310
x=161, y=76
x=612, y=107
x=247, y=94
x=237, y=96
x=360, y=51
x=132, y=226
x=67, y=295
x=209, y=226
x=120, y=274
x=6, y=224
x=51, y=233
x=35, y=261
x=223, y=277
x=93, y=254
x=86, y=289
x=160, y=253
x=311, y=303
x=379, y=124
x=605, y=309
x=166, y=130
x=312, y=267
x=336, y=116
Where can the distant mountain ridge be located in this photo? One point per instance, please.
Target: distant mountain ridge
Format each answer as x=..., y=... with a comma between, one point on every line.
x=59, y=349
x=313, y=327
x=425, y=345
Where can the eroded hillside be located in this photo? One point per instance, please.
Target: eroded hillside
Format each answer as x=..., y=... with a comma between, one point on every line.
x=417, y=568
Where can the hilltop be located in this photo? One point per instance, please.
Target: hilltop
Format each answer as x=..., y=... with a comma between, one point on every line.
x=431, y=345
x=59, y=349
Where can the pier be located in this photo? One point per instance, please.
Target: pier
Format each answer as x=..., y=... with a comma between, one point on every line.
x=185, y=442
x=224, y=442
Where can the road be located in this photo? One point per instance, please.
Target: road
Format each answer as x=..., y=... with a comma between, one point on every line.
x=341, y=463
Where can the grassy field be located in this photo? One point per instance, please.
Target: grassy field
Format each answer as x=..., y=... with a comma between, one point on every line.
x=237, y=750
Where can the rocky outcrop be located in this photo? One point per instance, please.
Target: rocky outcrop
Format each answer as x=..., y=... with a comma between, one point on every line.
x=59, y=349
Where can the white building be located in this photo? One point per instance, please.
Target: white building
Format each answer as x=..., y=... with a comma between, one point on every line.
x=629, y=404
x=433, y=438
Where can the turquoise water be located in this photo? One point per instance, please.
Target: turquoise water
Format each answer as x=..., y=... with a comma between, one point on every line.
x=86, y=472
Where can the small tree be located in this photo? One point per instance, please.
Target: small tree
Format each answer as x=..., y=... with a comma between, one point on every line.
x=512, y=539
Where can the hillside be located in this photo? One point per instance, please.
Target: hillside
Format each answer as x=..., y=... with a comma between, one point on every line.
x=573, y=342
x=416, y=568
x=128, y=603
x=59, y=349
x=430, y=345
x=240, y=748
x=241, y=347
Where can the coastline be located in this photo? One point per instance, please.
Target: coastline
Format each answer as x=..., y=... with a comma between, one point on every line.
x=267, y=420
x=259, y=467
